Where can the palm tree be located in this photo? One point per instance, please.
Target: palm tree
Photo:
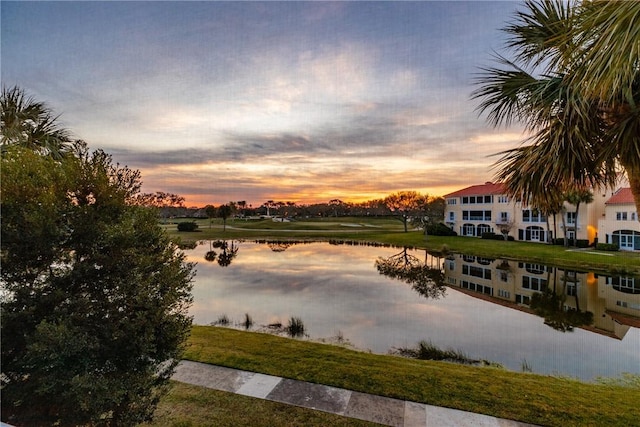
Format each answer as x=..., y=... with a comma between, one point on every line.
x=31, y=124
x=576, y=197
x=579, y=101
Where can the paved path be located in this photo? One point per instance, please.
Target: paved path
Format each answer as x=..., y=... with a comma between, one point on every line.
x=382, y=410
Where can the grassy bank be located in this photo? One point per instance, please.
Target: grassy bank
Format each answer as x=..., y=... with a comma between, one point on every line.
x=525, y=397
x=389, y=231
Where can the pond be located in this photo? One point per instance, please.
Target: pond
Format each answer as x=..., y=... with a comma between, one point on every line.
x=383, y=298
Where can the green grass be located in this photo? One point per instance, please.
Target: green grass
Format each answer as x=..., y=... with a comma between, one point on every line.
x=497, y=392
x=389, y=231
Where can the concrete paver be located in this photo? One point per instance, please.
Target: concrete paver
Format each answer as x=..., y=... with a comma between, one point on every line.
x=379, y=409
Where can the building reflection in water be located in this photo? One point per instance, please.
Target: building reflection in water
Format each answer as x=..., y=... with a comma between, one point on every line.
x=607, y=305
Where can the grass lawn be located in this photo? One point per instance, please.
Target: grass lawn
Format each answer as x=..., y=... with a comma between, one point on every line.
x=390, y=231
x=525, y=397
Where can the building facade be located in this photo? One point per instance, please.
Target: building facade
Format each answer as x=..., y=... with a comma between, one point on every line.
x=485, y=208
x=620, y=225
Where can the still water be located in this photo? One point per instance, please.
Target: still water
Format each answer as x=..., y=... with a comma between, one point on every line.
x=380, y=298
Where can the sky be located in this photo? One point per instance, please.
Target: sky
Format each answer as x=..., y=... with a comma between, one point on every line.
x=287, y=101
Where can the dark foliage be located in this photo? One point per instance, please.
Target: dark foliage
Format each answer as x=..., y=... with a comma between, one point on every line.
x=187, y=226
x=94, y=308
x=439, y=229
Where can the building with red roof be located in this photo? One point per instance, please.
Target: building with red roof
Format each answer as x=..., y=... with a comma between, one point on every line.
x=619, y=224
x=485, y=208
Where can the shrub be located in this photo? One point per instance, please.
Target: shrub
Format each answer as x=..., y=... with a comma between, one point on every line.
x=607, y=247
x=187, y=226
x=582, y=243
x=439, y=229
x=494, y=236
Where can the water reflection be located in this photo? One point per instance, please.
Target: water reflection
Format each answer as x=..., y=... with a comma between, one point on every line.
x=487, y=308
x=566, y=299
x=227, y=251
x=428, y=281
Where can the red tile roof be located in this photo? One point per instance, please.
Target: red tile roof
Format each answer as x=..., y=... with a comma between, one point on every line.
x=487, y=188
x=621, y=197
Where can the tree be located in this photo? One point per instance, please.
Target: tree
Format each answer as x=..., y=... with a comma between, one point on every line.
x=580, y=99
x=164, y=202
x=224, y=212
x=576, y=197
x=211, y=213
x=403, y=204
x=427, y=281
x=31, y=124
x=95, y=296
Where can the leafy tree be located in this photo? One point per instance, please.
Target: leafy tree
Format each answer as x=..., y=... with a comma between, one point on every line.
x=575, y=85
x=164, y=202
x=225, y=212
x=403, y=204
x=211, y=213
x=427, y=281
x=95, y=296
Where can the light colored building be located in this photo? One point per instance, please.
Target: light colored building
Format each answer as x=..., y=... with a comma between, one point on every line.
x=620, y=225
x=485, y=208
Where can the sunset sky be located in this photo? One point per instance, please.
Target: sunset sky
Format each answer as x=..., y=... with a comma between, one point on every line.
x=257, y=101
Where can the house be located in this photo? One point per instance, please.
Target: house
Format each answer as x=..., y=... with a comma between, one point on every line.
x=485, y=208
x=620, y=225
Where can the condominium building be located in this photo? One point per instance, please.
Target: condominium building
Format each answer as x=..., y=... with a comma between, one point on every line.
x=619, y=224
x=485, y=208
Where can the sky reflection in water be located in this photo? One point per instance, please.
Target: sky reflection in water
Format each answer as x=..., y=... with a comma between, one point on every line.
x=337, y=289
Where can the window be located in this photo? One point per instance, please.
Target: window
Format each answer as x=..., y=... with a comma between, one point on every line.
x=534, y=283
x=504, y=216
x=483, y=228
x=477, y=287
x=476, y=215
x=628, y=285
x=477, y=200
x=523, y=299
x=621, y=216
x=532, y=215
x=503, y=199
x=533, y=268
x=452, y=201
x=633, y=216
x=452, y=216
x=571, y=217
x=482, y=273
x=504, y=294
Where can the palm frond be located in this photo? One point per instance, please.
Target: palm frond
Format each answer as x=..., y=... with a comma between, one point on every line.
x=608, y=48
x=541, y=33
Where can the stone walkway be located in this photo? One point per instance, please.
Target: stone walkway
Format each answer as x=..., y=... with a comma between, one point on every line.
x=382, y=410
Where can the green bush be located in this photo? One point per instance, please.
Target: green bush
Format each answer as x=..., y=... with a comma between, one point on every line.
x=439, y=229
x=582, y=243
x=494, y=236
x=187, y=226
x=607, y=247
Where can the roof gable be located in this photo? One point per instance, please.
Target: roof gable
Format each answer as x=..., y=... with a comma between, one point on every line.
x=621, y=197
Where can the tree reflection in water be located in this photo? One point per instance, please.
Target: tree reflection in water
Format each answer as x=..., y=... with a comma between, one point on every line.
x=427, y=281
x=229, y=252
